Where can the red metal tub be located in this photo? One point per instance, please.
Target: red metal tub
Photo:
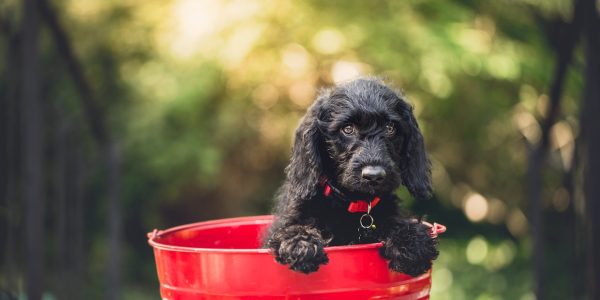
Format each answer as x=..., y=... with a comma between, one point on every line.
x=222, y=259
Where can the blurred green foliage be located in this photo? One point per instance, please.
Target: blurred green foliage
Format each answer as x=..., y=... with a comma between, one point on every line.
x=204, y=96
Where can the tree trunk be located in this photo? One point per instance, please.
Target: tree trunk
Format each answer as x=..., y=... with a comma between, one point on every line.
x=79, y=175
x=575, y=263
x=113, y=181
x=590, y=132
x=566, y=43
x=11, y=157
x=109, y=148
x=69, y=209
x=60, y=183
x=32, y=149
x=92, y=112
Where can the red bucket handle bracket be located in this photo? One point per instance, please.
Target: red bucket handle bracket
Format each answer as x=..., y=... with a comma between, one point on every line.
x=152, y=235
x=435, y=228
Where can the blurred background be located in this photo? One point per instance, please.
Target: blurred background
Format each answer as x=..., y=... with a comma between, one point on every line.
x=118, y=117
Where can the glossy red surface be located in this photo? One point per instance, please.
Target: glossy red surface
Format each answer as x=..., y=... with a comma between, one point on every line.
x=222, y=259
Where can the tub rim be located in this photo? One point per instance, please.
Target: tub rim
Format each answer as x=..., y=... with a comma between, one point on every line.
x=260, y=219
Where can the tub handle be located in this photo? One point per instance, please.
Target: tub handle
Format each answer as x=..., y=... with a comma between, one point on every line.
x=152, y=235
x=435, y=228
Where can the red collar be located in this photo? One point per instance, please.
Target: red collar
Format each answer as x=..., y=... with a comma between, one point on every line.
x=362, y=205
x=355, y=206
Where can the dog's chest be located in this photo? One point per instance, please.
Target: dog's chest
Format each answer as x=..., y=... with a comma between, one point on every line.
x=345, y=229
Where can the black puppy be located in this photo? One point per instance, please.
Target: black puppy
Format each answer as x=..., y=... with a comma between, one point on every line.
x=356, y=144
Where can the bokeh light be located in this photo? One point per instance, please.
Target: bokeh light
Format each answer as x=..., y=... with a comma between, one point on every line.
x=475, y=207
x=477, y=250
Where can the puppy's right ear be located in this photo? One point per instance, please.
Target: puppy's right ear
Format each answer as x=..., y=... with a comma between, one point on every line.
x=306, y=164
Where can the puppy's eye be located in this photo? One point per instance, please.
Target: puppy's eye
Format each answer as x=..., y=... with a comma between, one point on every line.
x=348, y=130
x=390, y=129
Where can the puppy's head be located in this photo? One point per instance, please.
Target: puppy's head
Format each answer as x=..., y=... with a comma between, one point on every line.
x=364, y=137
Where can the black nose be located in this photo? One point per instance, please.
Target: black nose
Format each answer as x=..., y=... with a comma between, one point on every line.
x=373, y=173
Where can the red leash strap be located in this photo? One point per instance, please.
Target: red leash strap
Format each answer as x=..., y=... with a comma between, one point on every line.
x=435, y=228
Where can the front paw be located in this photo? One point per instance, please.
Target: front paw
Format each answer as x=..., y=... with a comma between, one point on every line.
x=302, y=254
x=410, y=250
x=299, y=246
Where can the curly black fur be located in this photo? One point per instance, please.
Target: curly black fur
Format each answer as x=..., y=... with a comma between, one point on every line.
x=409, y=247
x=349, y=127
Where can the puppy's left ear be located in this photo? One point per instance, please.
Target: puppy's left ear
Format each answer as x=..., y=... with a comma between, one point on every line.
x=416, y=168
